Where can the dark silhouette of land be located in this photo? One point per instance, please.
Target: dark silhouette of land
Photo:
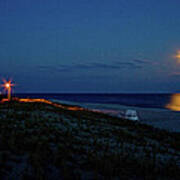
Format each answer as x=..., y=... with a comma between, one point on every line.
x=39, y=140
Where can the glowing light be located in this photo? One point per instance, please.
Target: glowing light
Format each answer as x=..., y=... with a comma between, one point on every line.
x=8, y=85
x=174, y=103
x=177, y=56
x=71, y=108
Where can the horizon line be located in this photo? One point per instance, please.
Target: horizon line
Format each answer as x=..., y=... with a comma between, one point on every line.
x=153, y=92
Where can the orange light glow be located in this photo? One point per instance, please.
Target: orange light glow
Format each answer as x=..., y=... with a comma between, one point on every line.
x=174, y=103
x=71, y=108
x=7, y=85
x=177, y=56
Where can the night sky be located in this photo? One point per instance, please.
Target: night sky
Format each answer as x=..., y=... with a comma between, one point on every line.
x=90, y=45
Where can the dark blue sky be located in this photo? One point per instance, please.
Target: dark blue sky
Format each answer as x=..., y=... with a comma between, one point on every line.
x=90, y=45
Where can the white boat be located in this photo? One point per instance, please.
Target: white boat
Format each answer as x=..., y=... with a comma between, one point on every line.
x=130, y=115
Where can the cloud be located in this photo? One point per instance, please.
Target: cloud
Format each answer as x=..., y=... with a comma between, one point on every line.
x=104, y=66
x=88, y=66
x=51, y=68
x=129, y=65
x=115, y=65
x=141, y=61
x=144, y=62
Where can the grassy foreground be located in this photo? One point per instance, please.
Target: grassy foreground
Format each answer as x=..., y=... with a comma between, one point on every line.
x=41, y=141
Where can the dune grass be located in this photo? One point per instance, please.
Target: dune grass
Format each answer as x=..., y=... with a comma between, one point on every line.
x=41, y=141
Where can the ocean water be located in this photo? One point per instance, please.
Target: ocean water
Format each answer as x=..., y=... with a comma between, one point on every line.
x=137, y=100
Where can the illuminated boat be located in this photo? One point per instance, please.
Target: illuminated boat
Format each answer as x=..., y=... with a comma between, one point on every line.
x=130, y=115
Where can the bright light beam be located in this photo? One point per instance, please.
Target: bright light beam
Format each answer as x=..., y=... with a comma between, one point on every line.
x=8, y=86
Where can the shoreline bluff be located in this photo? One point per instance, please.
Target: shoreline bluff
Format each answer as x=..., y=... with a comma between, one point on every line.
x=40, y=140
